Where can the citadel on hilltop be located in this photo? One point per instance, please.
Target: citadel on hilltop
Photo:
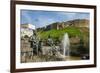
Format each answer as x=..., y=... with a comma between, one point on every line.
x=73, y=23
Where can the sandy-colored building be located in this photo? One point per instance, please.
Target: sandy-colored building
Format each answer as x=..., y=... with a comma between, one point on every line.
x=27, y=29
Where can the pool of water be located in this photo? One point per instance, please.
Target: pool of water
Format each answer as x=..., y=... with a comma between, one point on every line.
x=72, y=58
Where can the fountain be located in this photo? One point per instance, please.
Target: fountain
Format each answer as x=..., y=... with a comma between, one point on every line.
x=66, y=45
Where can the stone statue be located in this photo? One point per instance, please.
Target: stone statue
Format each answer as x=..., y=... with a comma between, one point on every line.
x=34, y=43
x=40, y=44
x=50, y=41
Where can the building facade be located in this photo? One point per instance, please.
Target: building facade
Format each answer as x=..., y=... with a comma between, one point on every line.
x=27, y=30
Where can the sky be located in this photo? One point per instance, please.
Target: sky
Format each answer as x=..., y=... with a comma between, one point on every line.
x=43, y=18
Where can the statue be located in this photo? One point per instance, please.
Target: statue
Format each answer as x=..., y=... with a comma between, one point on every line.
x=40, y=44
x=50, y=41
x=33, y=43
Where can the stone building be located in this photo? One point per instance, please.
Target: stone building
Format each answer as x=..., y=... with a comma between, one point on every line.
x=56, y=25
x=27, y=29
x=74, y=23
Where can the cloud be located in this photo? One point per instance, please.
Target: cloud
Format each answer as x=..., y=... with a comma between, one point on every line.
x=43, y=21
x=73, y=15
x=26, y=16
